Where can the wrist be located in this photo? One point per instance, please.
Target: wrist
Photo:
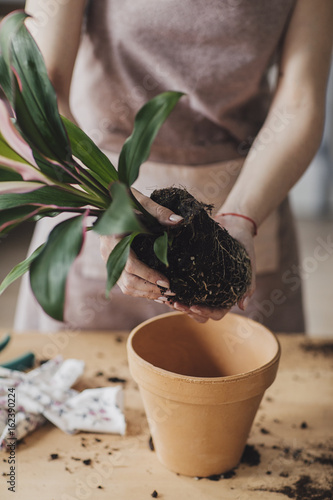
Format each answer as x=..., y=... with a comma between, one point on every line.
x=241, y=221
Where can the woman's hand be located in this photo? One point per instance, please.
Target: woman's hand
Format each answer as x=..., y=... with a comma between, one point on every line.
x=243, y=231
x=137, y=279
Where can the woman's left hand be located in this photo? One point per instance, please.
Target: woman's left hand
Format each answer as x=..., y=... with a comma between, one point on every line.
x=241, y=230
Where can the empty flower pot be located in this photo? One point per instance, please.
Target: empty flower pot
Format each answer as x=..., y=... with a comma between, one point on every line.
x=201, y=385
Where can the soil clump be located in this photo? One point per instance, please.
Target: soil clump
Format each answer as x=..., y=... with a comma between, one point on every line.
x=206, y=265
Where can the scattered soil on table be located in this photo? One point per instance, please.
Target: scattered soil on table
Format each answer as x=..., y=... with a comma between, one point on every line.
x=206, y=265
x=151, y=444
x=154, y=494
x=117, y=380
x=217, y=477
x=250, y=456
x=303, y=489
x=54, y=456
x=325, y=349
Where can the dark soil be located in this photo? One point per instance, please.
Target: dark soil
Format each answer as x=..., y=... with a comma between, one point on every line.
x=151, y=444
x=250, y=456
x=206, y=265
x=117, y=380
x=325, y=349
x=303, y=489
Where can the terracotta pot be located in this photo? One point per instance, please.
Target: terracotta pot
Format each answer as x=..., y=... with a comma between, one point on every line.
x=201, y=385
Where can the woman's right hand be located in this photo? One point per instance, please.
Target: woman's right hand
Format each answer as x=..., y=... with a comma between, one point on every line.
x=137, y=279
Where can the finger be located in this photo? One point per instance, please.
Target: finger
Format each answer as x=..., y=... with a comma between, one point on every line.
x=162, y=214
x=244, y=301
x=138, y=287
x=186, y=309
x=198, y=318
x=138, y=268
x=107, y=244
x=208, y=312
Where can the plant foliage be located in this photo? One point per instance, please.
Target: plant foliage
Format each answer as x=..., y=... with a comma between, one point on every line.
x=49, y=166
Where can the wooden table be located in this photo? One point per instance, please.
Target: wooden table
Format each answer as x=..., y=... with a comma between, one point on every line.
x=292, y=433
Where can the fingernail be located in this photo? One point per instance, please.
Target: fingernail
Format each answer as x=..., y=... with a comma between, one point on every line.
x=179, y=307
x=162, y=283
x=169, y=293
x=175, y=218
x=162, y=299
x=195, y=309
x=159, y=301
x=246, y=302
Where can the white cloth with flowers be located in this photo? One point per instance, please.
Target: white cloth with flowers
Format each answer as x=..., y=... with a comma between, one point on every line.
x=27, y=400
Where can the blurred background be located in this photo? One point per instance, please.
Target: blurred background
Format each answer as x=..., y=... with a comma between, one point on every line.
x=312, y=201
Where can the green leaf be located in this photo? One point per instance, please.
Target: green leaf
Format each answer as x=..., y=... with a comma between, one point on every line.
x=7, y=174
x=90, y=155
x=119, y=217
x=161, y=248
x=15, y=216
x=117, y=261
x=19, y=270
x=34, y=99
x=148, y=121
x=6, y=151
x=5, y=83
x=4, y=341
x=57, y=172
x=48, y=272
x=21, y=363
x=48, y=195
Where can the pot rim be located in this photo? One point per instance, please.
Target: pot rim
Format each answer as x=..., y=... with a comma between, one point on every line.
x=200, y=380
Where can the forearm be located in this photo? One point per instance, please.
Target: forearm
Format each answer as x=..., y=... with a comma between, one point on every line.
x=292, y=131
x=279, y=156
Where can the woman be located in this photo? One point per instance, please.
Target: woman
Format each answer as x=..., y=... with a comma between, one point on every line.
x=234, y=141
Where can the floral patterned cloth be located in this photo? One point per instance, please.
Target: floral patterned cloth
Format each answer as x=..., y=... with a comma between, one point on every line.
x=45, y=394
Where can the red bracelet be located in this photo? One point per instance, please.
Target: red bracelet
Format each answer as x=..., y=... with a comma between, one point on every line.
x=247, y=218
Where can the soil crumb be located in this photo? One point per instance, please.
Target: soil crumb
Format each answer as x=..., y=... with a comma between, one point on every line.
x=117, y=380
x=250, y=456
x=325, y=349
x=303, y=489
x=151, y=444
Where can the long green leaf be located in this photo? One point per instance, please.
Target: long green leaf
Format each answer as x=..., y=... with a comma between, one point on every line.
x=48, y=272
x=8, y=174
x=5, y=83
x=91, y=156
x=117, y=261
x=57, y=172
x=161, y=248
x=19, y=270
x=15, y=216
x=48, y=195
x=34, y=90
x=119, y=218
x=148, y=121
